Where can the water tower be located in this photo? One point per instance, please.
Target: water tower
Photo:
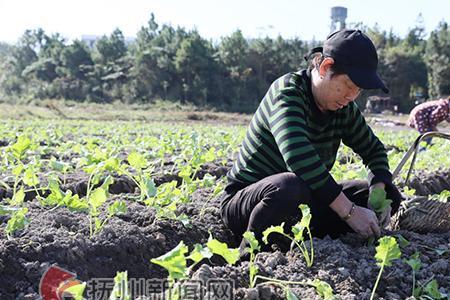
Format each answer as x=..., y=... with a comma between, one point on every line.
x=338, y=15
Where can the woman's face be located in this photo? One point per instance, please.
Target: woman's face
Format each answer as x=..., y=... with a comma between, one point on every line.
x=333, y=92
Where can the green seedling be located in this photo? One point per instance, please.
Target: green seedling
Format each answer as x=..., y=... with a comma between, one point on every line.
x=378, y=201
x=402, y=242
x=432, y=290
x=20, y=147
x=231, y=255
x=323, y=289
x=166, y=200
x=175, y=261
x=17, y=221
x=253, y=249
x=410, y=192
x=141, y=179
x=31, y=179
x=96, y=199
x=442, y=196
x=60, y=167
x=59, y=198
x=415, y=264
x=18, y=197
x=298, y=231
x=386, y=251
x=441, y=250
x=210, y=181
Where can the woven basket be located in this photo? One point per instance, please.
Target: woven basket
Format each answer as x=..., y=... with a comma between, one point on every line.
x=422, y=215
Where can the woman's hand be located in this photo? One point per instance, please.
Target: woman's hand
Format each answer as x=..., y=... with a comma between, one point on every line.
x=364, y=221
x=360, y=219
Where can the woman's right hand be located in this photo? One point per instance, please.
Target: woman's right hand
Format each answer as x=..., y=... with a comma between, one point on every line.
x=364, y=222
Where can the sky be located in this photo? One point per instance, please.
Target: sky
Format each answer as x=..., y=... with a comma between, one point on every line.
x=213, y=19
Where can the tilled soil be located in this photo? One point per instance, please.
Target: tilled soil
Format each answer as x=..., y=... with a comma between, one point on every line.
x=129, y=241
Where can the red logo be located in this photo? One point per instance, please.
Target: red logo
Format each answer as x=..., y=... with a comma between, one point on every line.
x=55, y=282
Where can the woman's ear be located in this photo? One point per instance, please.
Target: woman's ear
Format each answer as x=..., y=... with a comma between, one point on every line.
x=325, y=66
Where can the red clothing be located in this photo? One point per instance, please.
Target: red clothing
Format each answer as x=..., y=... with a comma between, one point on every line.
x=425, y=117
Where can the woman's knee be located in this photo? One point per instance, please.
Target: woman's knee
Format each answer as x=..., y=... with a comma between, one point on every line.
x=291, y=190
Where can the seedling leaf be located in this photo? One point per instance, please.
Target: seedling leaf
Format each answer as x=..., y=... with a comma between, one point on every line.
x=323, y=289
x=254, y=245
x=378, y=201
x=432, y=290
x=117, y=207
x=18, y=197
x=199, y=252
x=18, y=221
x=414, y=261
x=30, y=178
x=272, y=229
x=137, y=160
x=289, y=294
x=174, y=261
x=219, y=248
x=402, y=242
x=387, y=251
x=98, y=197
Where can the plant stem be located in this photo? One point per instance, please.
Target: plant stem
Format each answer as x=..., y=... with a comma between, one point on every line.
x=376, y=283
x=311, y=245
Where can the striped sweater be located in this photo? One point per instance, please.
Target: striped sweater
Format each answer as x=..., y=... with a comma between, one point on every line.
x=288, y=133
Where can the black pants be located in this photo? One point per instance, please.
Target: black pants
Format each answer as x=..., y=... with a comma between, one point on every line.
x=275, y=199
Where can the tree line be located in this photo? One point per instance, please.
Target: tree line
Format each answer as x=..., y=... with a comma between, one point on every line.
x=176, y=64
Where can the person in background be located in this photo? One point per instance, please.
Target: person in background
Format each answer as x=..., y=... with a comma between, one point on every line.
x=426, y=116
x=292, y=142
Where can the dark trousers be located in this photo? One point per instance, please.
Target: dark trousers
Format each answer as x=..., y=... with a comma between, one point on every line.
x=275, y=199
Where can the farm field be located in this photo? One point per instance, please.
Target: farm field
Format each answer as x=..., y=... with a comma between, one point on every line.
x=100, y=197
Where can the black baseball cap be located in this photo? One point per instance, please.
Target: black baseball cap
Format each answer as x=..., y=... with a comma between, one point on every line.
x=356, y=55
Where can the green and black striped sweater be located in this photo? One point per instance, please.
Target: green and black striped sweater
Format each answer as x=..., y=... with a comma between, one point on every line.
x=288, y=133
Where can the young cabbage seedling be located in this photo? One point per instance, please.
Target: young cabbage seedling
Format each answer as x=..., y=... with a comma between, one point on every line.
x=432, y=291
x=322, y=288
x=175, y=261
x=298, y=231
x=387, y=251
x=254, y=247
x=17, y=221
x=415, y=264
x=141, y=179
x=378, y=201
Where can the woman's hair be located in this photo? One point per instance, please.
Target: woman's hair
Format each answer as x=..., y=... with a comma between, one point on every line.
x=318, y=59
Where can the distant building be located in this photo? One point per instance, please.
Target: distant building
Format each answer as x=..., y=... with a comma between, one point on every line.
x=378, y=104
